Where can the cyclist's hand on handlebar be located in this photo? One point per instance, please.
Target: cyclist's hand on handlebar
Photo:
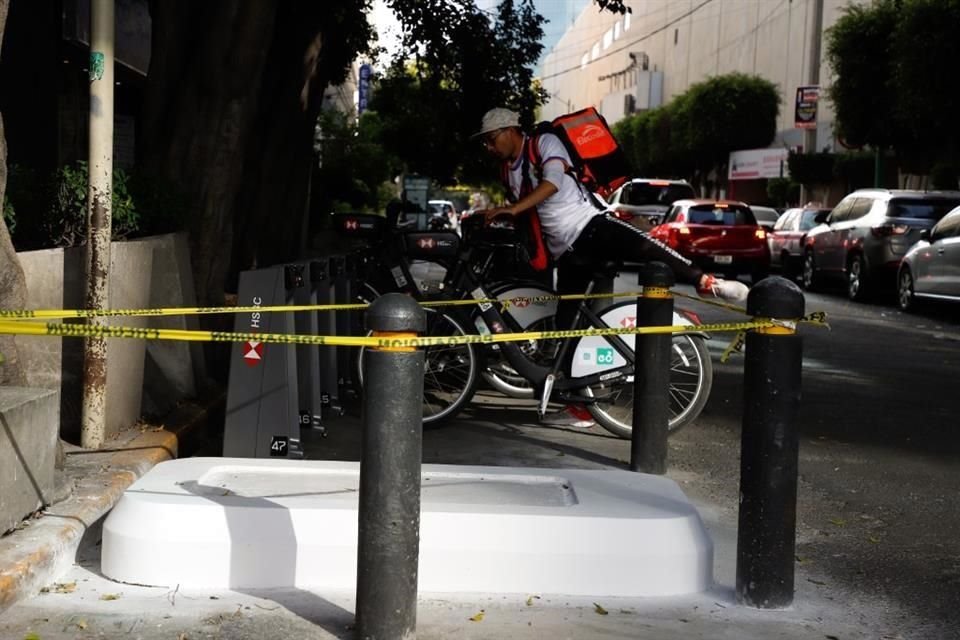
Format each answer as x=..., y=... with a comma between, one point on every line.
x=498, y=215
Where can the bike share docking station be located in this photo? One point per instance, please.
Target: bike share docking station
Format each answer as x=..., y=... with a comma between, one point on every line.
x=275, y=390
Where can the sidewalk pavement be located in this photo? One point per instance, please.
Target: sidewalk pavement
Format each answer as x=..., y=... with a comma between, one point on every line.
x=60, y=601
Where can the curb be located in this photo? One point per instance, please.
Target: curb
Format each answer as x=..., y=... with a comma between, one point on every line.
x=44, y=548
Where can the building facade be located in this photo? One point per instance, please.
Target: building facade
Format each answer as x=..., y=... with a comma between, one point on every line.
x=621, y=64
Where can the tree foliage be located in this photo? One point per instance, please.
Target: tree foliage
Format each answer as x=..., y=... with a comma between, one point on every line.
x=695, y=132
x=859, y=50
x=353, y=164
x=926, y=50
x=464, y=62
x=894, y=62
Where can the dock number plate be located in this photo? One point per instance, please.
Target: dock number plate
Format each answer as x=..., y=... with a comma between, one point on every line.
x=279, y=446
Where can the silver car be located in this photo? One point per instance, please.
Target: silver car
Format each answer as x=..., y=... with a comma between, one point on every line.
x=766, y=217
x=931, y=268
x=867, y=234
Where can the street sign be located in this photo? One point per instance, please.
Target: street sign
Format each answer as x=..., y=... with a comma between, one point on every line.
x=363, y=87
x=805, y=109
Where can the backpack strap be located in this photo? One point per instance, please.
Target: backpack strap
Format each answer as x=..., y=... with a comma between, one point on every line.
x=532, y=156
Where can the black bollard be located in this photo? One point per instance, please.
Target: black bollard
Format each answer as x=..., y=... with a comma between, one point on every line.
x=651, y=377
x=766, y=536
x=389, y=513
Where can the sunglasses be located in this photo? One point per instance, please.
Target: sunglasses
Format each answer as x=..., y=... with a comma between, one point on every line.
x=491, y=138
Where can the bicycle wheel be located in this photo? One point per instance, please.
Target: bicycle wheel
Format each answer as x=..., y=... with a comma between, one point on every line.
x=536, y=316
x=450, y=372
x=691, y=377
x=501, y=375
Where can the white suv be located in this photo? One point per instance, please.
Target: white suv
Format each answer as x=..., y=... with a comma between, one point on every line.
x=645, y=201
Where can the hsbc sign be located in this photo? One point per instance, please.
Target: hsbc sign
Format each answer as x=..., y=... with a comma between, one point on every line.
x=253, y=349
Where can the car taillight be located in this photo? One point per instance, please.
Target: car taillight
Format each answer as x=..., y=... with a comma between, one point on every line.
x=623, y=214
x=884, y=230
x=675, y=236
x=760, y=233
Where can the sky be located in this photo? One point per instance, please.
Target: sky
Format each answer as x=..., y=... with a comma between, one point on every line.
x=559, y=13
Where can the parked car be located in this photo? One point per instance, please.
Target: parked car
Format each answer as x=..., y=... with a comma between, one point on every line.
x=867, y=234
x=931, y=268
x=787, y=238
x=719, y=236
x=766, y=217
x=644, y=201
x=443, y=215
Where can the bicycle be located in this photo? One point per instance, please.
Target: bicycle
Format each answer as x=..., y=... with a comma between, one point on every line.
x=599, y=375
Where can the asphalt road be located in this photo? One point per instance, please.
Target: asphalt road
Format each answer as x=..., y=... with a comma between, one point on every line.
x=879, y=480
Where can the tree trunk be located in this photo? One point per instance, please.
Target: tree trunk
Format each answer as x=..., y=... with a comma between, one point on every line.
x=272, y=209
x=201, y=104
x=13, y=285
x=232, y=96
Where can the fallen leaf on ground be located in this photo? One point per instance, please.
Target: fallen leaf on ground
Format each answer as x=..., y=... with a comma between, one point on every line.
x=874, y=539
x=31, y=636
x=478, y=617
x=64, y=587
x=817, y=582
x=840, y=522
x=599, y=610
x=110, y=596
x=82, y=623
x=531, y=599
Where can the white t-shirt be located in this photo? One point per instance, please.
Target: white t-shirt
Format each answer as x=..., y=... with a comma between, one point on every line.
x=564, y=214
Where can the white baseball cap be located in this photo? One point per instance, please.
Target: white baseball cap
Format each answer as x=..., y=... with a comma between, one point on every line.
x=497, y=118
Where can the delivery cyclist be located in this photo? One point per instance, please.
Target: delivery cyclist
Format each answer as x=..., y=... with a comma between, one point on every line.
x=579, y=235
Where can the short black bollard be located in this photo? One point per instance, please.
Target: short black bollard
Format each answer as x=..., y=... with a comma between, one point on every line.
x=651, y=372
x=389, y=513
x=766, y=536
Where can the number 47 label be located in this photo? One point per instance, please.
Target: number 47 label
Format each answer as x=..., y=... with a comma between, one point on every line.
x=278, y=446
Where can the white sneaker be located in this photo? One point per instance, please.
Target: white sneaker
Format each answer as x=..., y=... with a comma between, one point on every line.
x=730, y=290
x=570, y=416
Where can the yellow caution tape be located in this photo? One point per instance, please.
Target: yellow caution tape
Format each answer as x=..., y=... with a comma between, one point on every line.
x=736, y=346
x=52, y=314
x=83, y=330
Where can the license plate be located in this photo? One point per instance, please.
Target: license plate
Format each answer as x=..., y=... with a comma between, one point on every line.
x=723, y=259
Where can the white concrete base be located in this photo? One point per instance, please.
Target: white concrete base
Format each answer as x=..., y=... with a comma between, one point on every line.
x=241, y=523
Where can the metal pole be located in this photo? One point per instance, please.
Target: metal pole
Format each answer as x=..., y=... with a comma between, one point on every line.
x=99, y=212
x=813, y=68
x=389, y=513
x=651, y=372
x=766, y=536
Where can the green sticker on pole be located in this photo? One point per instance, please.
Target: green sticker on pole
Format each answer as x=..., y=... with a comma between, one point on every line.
x=96, y=65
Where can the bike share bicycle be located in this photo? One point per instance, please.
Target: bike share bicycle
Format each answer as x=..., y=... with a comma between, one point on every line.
x=599, y=375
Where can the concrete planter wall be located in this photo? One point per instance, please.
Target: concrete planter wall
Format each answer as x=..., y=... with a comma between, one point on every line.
x=144, y=273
